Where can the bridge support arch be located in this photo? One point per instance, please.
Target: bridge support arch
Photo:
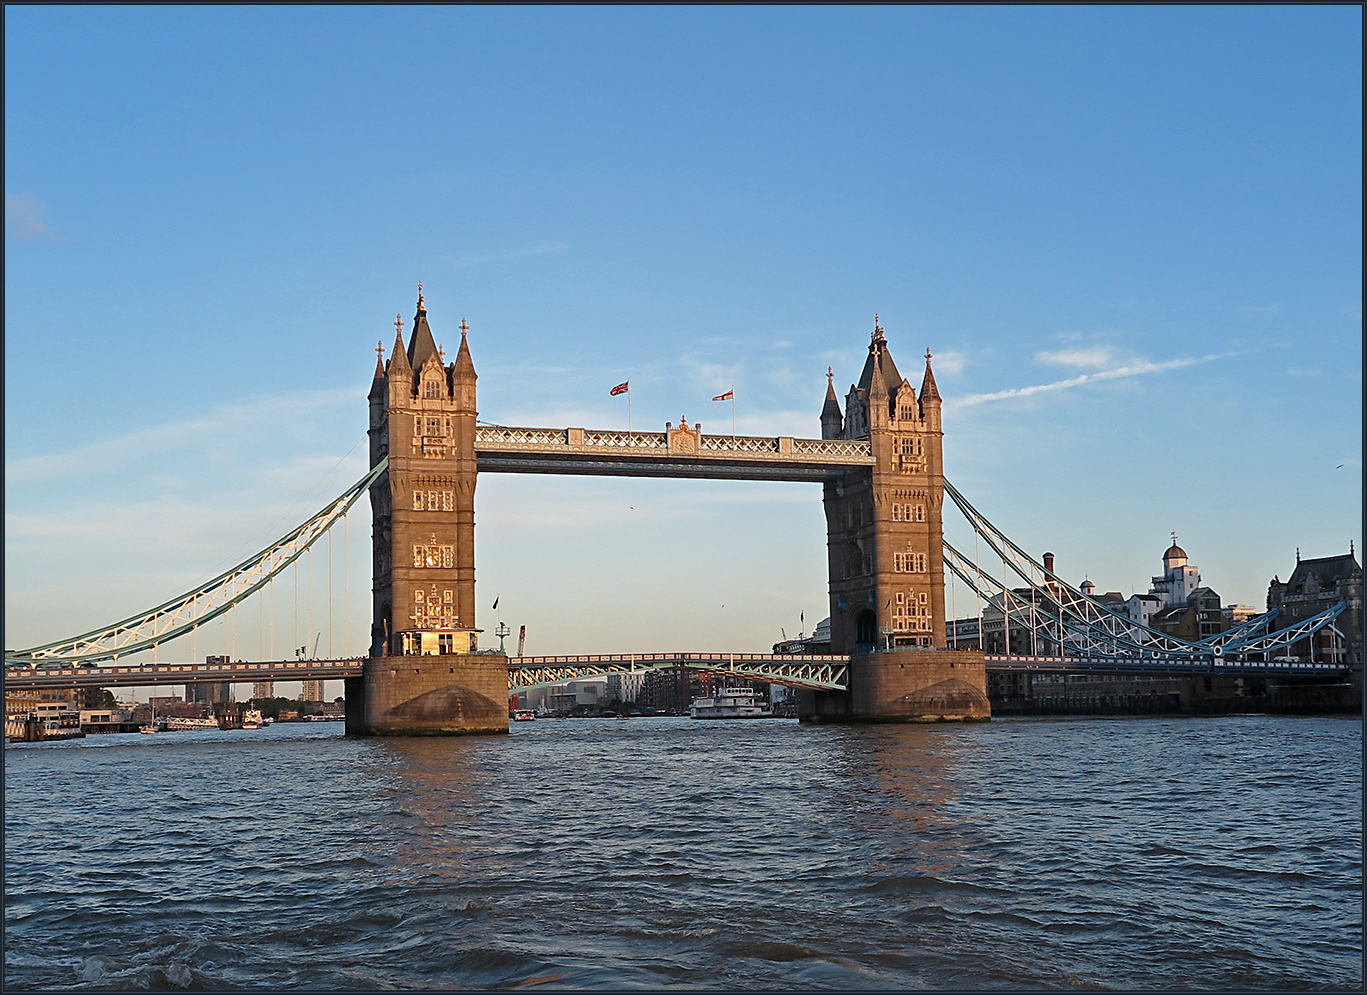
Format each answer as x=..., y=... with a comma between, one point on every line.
x=459, y=694
x=911, y=685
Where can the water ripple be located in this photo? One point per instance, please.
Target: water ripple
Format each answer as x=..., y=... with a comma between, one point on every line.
x=1219, y=853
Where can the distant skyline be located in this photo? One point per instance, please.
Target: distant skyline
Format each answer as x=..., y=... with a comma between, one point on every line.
x=1130, y=236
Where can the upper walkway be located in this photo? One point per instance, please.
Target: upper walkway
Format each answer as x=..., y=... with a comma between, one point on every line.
x=682, y=451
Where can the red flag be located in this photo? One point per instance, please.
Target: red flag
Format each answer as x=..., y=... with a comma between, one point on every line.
x=621, y=388
x=725, y=397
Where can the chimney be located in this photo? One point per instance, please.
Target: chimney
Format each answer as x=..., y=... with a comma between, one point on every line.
x=1049, y=562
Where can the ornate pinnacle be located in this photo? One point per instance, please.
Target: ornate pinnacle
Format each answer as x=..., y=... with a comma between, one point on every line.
x=463, y=328
x=928, y=354
x=421, y=306
x=398, y=324
x=830, y=377
x=379, y=350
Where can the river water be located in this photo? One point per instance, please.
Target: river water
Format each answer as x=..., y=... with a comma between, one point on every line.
x=1216, y=853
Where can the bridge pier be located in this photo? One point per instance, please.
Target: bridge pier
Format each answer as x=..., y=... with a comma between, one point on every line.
x=912, y=685
x=458, y=694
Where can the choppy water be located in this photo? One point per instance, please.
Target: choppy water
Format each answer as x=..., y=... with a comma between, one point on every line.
x=1094, y=853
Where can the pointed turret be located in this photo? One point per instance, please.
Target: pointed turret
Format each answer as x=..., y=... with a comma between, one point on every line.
x=832, y=424
x=880, y=405
x=398, y=359
x=928, y=389
x=421, y=347
x=464, y=367
x=880, y=359
x=379, y=361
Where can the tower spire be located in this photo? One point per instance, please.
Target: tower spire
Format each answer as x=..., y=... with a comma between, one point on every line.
x=928, y=389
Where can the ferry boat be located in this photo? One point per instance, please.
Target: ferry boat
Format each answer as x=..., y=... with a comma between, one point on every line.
x=731, y=703
x=252, y=719
x=524, y=715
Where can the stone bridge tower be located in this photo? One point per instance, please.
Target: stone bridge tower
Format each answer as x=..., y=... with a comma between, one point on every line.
x=887, y=584
x=422, y=416
x=885, y=550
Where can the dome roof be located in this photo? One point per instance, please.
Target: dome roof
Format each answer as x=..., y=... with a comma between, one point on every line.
x=1175, y=551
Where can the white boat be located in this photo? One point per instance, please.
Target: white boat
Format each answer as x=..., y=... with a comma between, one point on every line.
x=524, y=715
x=731, y=703
x=252, y=719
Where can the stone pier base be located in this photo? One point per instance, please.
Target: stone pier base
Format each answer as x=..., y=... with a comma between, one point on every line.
x=461, y=694
x=906, y=686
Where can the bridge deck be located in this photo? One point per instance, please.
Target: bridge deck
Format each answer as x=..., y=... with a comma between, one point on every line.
x=815, y=671
x=507, y=449
x=20, y=677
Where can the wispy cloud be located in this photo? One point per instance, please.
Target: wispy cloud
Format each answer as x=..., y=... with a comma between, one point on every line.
x=952, y=363
x=1082, y=358
x=24, y=218
x=1130, y=370
x=232, y=420
x=480, y=258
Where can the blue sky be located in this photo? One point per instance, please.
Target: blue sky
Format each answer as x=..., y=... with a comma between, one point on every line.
x=213, y=214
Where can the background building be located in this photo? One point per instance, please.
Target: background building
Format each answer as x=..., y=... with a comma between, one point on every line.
x=626, y=687
x=1316, y=585
x=208, y=692
x=312, y=691
x=263, y=689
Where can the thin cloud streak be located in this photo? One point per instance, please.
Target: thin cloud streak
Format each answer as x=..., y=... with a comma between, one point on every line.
x=225, y=420
x=1132, y=370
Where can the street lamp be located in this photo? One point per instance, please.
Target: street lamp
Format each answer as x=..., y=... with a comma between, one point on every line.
x=502, y=632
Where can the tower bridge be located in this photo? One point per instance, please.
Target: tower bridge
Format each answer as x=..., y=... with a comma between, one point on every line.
x=879, y=462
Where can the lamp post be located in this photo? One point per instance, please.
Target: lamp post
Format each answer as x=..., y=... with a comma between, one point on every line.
x=502, y=632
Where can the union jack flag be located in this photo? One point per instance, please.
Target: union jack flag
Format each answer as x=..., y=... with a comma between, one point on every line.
x=621, y=388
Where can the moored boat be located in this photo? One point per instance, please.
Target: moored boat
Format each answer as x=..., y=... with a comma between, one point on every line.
x=252, y=719
x=731, y=703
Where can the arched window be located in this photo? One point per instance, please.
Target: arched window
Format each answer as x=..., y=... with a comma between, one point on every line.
x=866, y=627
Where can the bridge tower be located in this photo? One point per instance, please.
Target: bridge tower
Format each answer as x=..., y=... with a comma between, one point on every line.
x=422, y=416
x=424, y=676
x=883, y=526
x=885, y=556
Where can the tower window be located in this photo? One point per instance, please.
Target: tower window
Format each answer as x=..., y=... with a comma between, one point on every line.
x=417, y=500
x=432, y=389
x=433, y=556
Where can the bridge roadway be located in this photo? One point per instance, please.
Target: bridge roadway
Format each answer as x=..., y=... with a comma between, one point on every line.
x=1132, y=665
x=682, y=451
x=824, y=672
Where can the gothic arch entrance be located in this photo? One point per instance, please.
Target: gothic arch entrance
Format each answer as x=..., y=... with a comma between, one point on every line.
x=866, y=627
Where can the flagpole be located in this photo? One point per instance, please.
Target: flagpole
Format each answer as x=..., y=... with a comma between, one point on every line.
x=733, y=411
x=628, y=409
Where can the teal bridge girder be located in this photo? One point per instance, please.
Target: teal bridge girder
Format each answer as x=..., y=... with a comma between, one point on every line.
x=1061, y=615
x=811, y=672
x=186, y=613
